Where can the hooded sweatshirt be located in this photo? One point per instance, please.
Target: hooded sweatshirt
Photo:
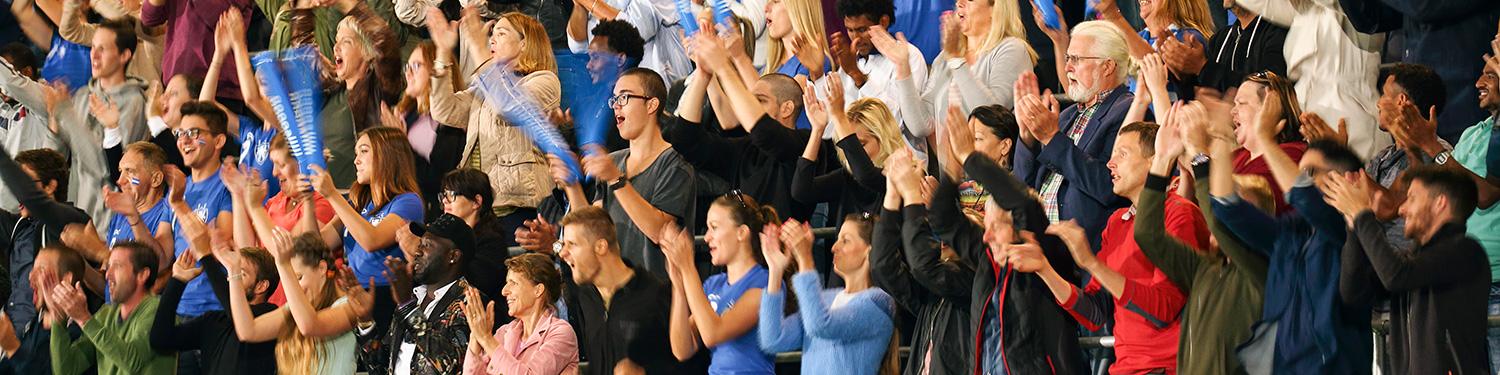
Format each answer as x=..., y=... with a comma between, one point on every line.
x=84, y=138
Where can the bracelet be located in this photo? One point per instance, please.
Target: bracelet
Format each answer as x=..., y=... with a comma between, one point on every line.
x=617, y=184
x=237, y=276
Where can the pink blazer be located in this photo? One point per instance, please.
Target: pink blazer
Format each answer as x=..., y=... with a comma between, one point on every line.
x=550, y=350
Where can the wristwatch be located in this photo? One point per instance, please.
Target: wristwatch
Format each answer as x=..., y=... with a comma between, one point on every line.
x=617, y=184
x=1442, y=158
x=1198, y=159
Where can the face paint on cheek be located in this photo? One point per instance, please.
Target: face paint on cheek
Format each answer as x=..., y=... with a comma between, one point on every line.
x=201, y=142
x=135, y=181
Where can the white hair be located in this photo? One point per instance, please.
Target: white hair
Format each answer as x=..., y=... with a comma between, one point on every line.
x=1109, y=43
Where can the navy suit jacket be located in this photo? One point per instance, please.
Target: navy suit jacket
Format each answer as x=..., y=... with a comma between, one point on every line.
x=1087, y=193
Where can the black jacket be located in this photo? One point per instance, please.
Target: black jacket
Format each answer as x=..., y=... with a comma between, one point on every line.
x=212, y=332
x=1038, y=336
x=936, y=291
x=760, y=164
x=1438, y=291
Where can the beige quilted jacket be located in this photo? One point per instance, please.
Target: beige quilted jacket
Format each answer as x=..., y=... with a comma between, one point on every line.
x=517, y=169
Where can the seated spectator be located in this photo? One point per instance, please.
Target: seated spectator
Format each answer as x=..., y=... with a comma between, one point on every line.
x=839, y=330
x=120, y=342
x=644, y=187
x=1438, y=289
x=537, y=341
x=385, y=192
x=517, y=169
x=213, y=332
x=1145, y=302
x=720, y=313
x=429, y=332
x=314, y=331
x=622, y=326
x=1065, y=150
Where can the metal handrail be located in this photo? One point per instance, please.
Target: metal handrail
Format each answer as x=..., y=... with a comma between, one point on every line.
x=820, y=233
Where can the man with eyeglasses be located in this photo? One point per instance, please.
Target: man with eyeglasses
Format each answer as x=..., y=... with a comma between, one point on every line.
x=38, y=178
x=1063, y=152
x=203, y=197
x=643, y=187
x=429, y=334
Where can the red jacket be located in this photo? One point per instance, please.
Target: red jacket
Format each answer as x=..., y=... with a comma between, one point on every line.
x=1145, y=316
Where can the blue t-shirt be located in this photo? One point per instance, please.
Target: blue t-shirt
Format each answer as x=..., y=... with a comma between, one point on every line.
x=207, y=198
x=741, y=355
x=368, y=264
x=119, y=226
x=255, y=151
x=794, y=68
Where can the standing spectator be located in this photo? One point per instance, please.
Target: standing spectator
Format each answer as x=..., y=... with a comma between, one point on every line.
x=721, y=313
x=984, y=51
x=866, y=135
x=1248, y=45
x=1064, y=150
x=798, y=46
x=314, y=331
x=288, y=207
x=1478, y=150
x=1012, y=314
x=926, y=278
x=1438, y=287
x=73, y=27
x=66, y=63
x=622, y=325
x=840, y=330
x=1146, y=303
x=537, y=341
x=1450, y=38
x=870, y=69
x=26, y=348
x=654, y=187
x=517, y=170
x=1331, y=63
x=1304, y=313
x=120, y=342
x=465, y=194
x=213, y=332
x=414, y=113
x=761, y=164
x=657, y=21
x=200, y=137
x=1225, y=286
x=385, y=193
x=139, y=209
x=23, y=118
x=40, y=180
x=189, y=44
x=1183, y=21
x=1253, y=100
x=108, y=112
x=429, y=333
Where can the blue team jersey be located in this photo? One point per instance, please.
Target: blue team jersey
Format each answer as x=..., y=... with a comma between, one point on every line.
x=255, y=151
x=741, y=355
x=119, y=226
x=207, y=198
x=371, y=264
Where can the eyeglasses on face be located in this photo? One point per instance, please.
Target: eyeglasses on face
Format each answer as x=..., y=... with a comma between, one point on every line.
x=1074, y=59
x=448, y=196
x=620, y=100
x=190, y=133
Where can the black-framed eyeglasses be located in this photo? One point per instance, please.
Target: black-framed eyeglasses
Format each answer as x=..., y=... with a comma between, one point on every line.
x=190, y=133
x=448, y=196
x=620, y=100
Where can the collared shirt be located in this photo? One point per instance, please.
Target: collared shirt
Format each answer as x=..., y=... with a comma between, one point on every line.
x=1052, y=184
x=550, y=348
x=633, y=326
x=880, y=74
x=408, y=348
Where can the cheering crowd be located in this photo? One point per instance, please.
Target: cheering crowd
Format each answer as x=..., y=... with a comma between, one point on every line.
x=914, y=187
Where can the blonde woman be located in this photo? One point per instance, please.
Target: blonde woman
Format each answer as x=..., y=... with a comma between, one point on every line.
x=984, y=51
x=798, y=43
x=866, y=134
x=517, y=169
x=314, y=330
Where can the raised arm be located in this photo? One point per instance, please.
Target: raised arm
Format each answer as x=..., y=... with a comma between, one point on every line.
x=868, y=315
x=248, y=327
x=74, y=28
x=370, y=236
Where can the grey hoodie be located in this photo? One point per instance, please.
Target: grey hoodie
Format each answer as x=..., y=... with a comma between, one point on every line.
x=83, y=139
x=23, y=121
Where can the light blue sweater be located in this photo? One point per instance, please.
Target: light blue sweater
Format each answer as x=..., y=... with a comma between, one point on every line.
x=850, y=339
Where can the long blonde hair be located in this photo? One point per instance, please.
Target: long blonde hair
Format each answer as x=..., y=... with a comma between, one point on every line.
x=296, y=353
x=1005, y=22
x=1192, y=14
x=873, y=114
x=807, y=21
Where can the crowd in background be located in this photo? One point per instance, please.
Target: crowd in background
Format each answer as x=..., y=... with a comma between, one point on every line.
x=1223, y=187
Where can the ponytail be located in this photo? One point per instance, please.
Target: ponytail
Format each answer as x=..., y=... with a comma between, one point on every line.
x=891, y=364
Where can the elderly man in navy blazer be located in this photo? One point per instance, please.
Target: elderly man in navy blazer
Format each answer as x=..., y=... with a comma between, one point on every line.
x=1065, y=154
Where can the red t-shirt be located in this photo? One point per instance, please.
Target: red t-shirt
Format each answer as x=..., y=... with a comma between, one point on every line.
x=1142, y=341
x=284, y=216
x=1243, y=164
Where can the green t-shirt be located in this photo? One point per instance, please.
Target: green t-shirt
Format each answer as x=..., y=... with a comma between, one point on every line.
x=1470, y=151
